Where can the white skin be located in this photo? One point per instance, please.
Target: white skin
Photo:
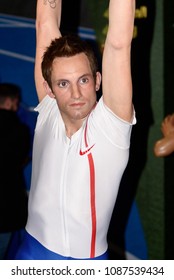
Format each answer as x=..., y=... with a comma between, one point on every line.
x=74, y=89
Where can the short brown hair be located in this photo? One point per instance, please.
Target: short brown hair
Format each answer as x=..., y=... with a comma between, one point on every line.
x=67, y=46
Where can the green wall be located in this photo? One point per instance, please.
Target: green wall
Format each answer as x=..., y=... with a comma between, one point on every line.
x=150, y=196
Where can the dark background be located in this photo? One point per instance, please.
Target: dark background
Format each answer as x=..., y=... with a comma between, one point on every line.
x=76, y=11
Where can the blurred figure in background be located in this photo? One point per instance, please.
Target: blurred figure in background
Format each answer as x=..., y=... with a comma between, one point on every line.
x=165, y=146
x=14, y=151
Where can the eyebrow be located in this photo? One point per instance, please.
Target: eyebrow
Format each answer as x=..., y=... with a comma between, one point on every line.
x=66, y=80
x=86, y=75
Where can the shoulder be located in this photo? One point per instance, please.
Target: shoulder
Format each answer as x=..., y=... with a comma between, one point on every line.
x=111, y=127
x=103, y=111
x=47, y=110
x=45, y=104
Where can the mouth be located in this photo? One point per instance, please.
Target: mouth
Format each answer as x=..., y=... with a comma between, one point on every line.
x=77, y=104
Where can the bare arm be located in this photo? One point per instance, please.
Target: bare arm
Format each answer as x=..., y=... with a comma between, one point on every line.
x=167, y=126
x=116, y=69
x=165, y=146
x=48, y=15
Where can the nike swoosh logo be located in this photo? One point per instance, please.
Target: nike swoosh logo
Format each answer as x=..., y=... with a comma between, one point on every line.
x=86, y=151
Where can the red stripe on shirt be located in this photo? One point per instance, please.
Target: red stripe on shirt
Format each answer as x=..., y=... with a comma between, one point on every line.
x=92, y=197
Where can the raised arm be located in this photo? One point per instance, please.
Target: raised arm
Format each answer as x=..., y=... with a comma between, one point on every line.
x=116, y=69
x=48, y=15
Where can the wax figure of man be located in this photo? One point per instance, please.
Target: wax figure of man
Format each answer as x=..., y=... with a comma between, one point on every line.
x=81, y=147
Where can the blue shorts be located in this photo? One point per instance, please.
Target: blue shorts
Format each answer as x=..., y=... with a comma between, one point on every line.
x=26, y=251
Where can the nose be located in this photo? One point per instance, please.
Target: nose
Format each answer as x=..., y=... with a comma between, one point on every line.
x=75, y=92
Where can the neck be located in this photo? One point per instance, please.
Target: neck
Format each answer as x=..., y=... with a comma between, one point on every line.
x=72, y=127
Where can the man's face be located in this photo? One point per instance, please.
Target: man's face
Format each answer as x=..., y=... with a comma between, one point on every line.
x=11, y=104
x=74, y=86
x=15, y=104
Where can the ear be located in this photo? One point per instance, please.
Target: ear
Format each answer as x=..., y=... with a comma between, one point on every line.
x=48, y=90
x=98, y=81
